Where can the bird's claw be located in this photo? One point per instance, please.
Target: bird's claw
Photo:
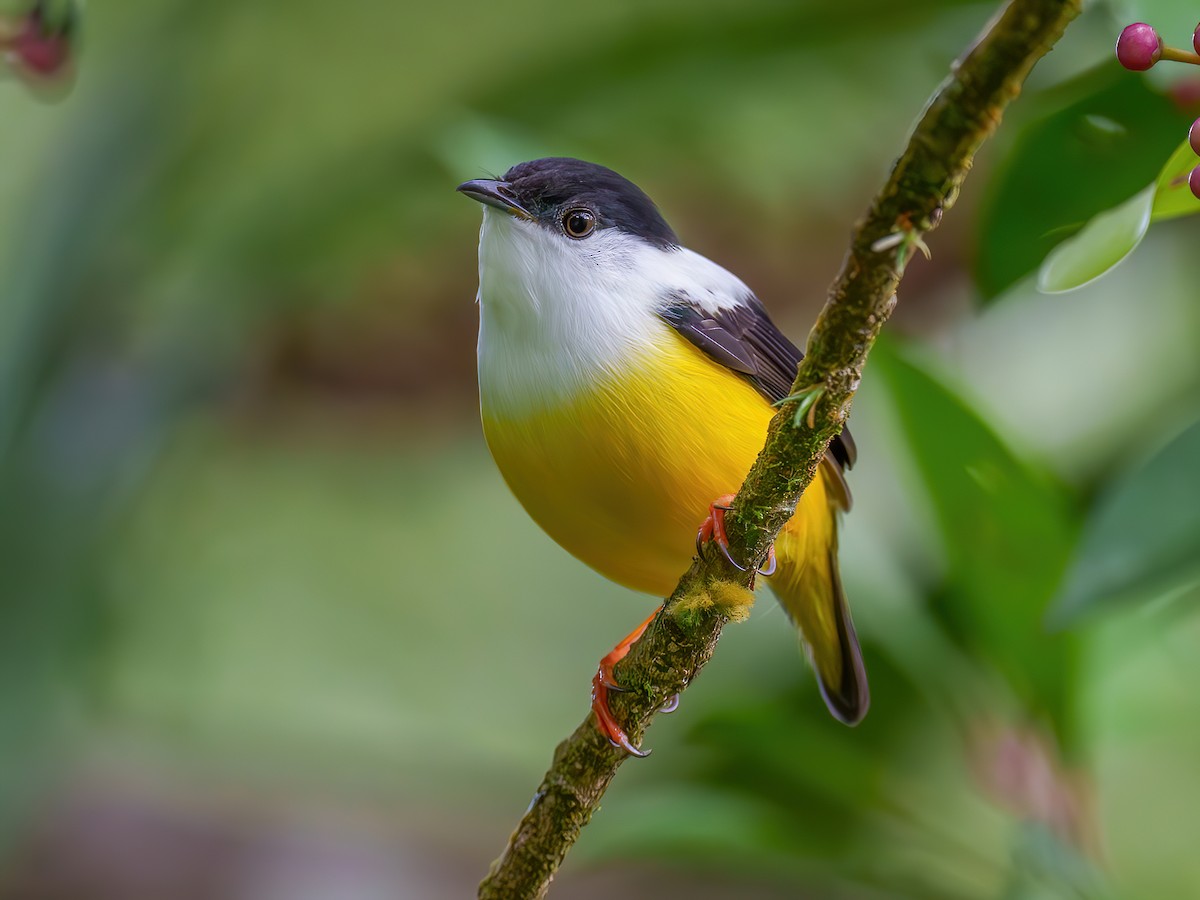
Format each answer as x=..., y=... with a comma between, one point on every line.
x=713, y=529
x=604, y=718
x=604, y=681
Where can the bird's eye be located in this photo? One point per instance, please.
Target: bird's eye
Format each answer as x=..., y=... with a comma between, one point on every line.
x=579, y=223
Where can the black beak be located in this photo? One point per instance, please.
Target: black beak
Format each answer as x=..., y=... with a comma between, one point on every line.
x=493, y=193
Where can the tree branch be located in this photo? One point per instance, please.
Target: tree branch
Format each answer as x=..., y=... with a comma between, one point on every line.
x=924, y=183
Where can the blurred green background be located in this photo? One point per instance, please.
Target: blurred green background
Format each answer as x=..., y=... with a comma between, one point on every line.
x=271, y=625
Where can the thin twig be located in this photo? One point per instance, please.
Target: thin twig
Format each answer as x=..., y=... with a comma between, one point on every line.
x=924, y=183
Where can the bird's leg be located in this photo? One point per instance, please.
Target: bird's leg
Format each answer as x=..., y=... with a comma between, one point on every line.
x=602, y=683
x=713, y=530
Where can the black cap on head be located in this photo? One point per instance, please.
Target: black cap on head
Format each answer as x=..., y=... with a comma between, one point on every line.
x=548, y=187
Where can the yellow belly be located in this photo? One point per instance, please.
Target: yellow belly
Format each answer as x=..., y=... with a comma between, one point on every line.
x=621, y=476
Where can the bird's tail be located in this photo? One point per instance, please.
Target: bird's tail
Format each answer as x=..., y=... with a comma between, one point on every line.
x=809, y=589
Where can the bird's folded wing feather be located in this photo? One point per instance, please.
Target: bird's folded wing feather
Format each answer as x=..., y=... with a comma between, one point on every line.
x=743, y=338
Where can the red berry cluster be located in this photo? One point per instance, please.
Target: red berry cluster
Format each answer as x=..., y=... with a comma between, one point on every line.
x=1138, y=48
x=39, y=43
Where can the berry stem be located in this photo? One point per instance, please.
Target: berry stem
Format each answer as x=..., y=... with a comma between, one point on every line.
x=1183, y=56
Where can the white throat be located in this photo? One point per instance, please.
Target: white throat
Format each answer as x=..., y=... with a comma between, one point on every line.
x=557, y=315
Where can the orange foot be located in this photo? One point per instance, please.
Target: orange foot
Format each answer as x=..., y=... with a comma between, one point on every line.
x=602, y=683
x=713, y=529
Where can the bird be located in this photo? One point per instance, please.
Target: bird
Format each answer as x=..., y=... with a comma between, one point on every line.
x=625, y=387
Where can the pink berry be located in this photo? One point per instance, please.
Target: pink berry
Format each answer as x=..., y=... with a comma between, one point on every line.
x=1194, y=137
x=1185, y=94
x=1194, y=182
x=42, y=54
x=44, y=45
x=1196, y=39
x=1139, y=47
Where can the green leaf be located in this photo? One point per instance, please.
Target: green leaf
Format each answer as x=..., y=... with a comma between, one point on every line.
x=1111, y=236
x=1007, y=530
x=1142, y=539
x=1092, y=144
x=1105, y=241
x=1173, y=197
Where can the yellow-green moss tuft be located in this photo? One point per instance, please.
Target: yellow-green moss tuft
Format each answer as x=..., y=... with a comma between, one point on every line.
x=730, y=600
x=733, y=600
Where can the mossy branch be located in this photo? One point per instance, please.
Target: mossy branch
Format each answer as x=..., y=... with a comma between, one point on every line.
x=923, y=184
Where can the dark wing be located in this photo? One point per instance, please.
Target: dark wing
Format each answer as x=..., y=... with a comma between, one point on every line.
x=744, y=339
